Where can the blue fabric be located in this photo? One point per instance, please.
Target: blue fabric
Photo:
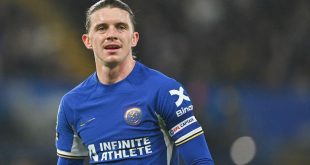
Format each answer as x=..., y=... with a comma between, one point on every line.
x=129, y=122
x=196, y=152
x=65, y=161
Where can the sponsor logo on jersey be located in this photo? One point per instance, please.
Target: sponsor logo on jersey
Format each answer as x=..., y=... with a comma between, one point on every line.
x=120, y=149
x=182, y=111
x=181, y=95
x=182, y=125
x=133, y=116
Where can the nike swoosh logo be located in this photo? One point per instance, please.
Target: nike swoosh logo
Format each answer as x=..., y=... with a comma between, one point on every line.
x=88, y=121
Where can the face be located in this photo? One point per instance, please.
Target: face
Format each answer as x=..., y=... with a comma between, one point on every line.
x=111, y=36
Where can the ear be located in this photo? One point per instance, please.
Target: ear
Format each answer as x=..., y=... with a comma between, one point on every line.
x=135, y=39
x=86, y=41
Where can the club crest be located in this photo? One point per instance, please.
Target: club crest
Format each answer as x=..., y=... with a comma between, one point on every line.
x=133, y=116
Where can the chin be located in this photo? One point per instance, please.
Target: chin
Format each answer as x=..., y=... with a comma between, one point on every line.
x=112, y=61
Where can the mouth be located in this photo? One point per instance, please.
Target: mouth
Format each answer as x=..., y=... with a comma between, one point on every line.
x=112, y=47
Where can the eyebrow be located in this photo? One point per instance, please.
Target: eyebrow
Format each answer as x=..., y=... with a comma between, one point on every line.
x=100, y=24
x=122, y=23
x=116, y=24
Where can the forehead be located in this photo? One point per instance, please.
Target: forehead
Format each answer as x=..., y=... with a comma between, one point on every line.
x=110, y=15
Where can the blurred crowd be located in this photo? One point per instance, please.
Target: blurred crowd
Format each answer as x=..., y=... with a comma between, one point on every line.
x=246, y=64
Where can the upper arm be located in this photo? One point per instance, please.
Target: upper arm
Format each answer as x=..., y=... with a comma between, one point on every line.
x=176, y=108
x=68, y=143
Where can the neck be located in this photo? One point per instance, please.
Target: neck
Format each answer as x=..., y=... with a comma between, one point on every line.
x=110, y=74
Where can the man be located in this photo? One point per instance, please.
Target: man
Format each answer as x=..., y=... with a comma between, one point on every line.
x=125, y=113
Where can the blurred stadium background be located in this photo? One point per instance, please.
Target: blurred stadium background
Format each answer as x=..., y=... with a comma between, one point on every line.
x=246, y=64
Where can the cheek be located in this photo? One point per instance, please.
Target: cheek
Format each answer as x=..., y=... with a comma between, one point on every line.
x=129, y=41
x=96, y=41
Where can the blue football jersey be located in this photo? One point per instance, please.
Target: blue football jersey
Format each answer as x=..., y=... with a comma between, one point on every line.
x=139, y=120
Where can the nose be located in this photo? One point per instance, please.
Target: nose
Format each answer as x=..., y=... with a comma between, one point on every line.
x=112, y=34
x=111, y=38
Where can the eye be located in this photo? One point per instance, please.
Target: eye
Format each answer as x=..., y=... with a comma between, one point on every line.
x=101, y=28
x=122, y=26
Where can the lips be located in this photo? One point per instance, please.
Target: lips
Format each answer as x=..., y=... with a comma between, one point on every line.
x=112, y=46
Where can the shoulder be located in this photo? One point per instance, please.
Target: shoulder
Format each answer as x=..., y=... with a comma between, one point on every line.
x=157, y=78
x=80, y=91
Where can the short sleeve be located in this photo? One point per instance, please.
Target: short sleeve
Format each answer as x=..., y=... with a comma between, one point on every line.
x=175, y=107
x=68, y=143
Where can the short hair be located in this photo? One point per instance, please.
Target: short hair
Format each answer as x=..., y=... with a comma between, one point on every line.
x=108, y=3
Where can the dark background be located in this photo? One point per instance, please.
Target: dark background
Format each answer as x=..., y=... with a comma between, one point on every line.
x=245, y=64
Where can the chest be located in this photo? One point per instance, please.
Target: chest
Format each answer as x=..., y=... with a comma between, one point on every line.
x=123, y=116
